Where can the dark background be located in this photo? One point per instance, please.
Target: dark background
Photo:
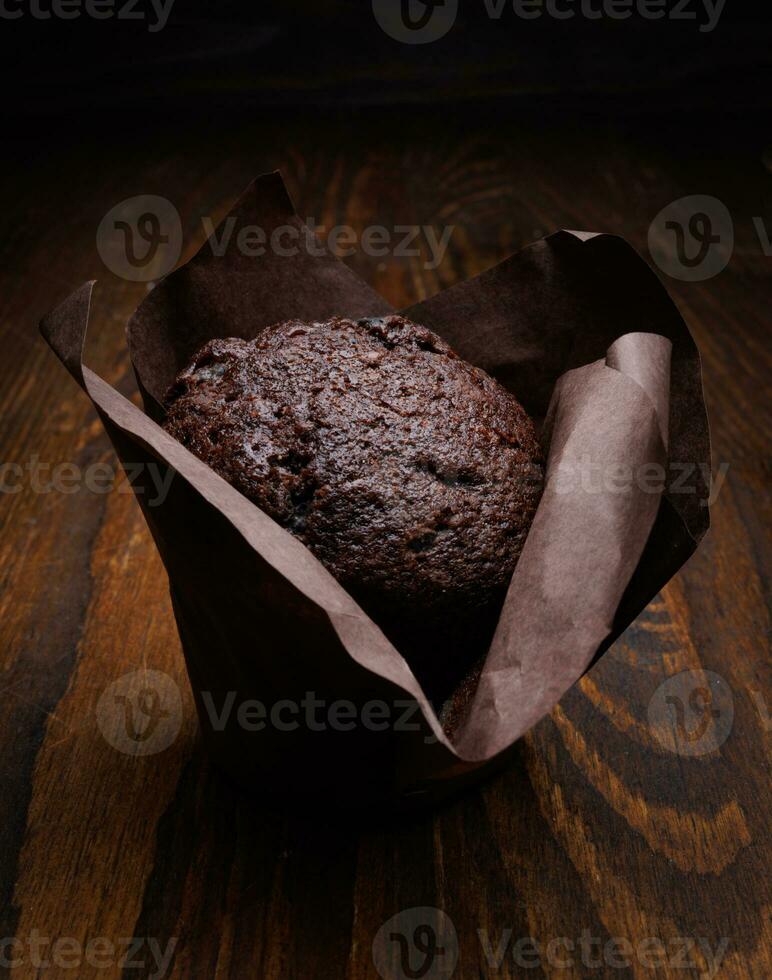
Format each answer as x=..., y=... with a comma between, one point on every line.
x=242, y=56
x=231, y=64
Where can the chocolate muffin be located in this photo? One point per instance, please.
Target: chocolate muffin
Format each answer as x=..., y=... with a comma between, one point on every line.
x=410, y=474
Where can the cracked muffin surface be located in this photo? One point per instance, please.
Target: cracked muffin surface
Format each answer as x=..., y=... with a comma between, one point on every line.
x=412, y=475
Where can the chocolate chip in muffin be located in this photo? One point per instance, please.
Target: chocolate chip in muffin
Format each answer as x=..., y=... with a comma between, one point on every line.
x=412, y=475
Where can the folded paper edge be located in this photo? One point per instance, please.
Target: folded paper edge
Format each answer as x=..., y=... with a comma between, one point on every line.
x=473, y=747
x=64, y=329
x=210, y=251
x=589, y=243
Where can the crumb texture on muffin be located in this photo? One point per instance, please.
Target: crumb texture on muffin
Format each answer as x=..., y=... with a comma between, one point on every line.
x=411, y=474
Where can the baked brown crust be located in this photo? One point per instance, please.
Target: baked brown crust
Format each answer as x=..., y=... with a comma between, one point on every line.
x=412, y=475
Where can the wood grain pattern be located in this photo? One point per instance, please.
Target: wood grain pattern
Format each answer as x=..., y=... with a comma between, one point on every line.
x=597, y=827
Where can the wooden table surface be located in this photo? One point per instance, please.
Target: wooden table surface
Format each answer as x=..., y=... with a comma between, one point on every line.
x=629, y=857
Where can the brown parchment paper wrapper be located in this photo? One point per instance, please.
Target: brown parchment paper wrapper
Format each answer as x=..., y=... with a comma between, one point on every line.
x=578, y=327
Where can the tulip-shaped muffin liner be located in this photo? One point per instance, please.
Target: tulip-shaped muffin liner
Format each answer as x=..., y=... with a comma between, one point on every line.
x=298, y=691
